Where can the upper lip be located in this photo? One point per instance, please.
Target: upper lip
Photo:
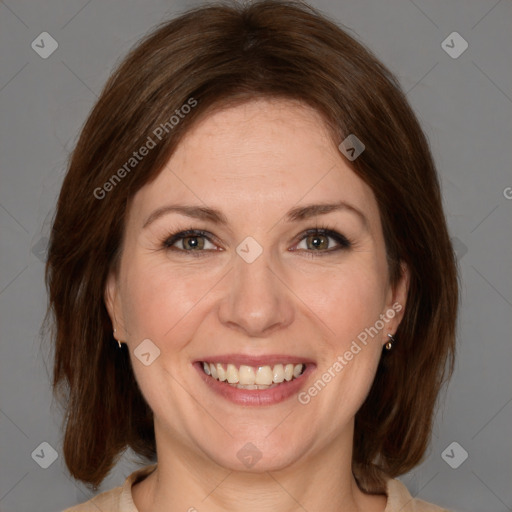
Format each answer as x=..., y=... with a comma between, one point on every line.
x=262, y=360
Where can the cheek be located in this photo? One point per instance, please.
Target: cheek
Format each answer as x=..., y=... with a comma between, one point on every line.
x=357, y=299
x=158, y=297
x=348, y=299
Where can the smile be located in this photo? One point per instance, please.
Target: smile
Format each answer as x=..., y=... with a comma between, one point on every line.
x=258, y=384
x=250, y=377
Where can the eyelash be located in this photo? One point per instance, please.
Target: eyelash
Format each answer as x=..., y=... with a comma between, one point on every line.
x=343, y=241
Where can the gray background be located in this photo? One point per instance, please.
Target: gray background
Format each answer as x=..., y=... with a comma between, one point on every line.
x=465, y=107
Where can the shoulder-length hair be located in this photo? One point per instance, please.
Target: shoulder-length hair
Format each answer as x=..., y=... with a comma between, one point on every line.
x=208, y=58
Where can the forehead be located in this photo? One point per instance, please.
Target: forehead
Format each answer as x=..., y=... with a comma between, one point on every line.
x=276, y=153
x=260, y=139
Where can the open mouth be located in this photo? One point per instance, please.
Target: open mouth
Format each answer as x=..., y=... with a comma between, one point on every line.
x=253, y=377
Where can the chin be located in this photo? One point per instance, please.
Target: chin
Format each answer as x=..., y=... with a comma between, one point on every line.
x=255, y=454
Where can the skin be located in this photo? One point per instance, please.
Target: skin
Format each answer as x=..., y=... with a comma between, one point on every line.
x=254, y=162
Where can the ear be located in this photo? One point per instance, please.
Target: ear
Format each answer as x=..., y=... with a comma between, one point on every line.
x=396, y=301
x=113, y=305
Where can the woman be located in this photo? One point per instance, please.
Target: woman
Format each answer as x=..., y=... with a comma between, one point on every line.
x=249, y=268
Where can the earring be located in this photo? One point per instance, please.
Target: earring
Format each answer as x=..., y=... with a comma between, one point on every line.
x=389, y=344
x=118, y=341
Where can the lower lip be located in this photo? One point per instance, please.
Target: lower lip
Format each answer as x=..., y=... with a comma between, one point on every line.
x=269, y=396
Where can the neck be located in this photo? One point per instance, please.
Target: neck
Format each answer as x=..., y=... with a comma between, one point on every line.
x=188, y=481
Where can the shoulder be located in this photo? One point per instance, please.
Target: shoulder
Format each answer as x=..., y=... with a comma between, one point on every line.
x=118, y=499
x=109, y=500
x=399, y=499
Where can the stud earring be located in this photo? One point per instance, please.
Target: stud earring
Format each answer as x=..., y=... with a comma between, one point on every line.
x=389, y=344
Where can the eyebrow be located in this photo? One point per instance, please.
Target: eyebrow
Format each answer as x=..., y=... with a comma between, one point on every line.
x=217, y=217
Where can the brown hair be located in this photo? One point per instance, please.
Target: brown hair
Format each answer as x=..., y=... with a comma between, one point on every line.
x=221, y=55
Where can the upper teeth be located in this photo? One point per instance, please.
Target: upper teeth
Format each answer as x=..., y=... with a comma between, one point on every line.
x=249, y=375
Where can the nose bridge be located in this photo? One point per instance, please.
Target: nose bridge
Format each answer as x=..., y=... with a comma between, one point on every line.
x=256, y=300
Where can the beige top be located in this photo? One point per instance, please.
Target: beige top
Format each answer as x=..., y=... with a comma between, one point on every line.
x=120, y=498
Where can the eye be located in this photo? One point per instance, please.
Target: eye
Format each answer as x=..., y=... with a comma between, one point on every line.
x=320, y=240
x=317, y=240
x=192, y=240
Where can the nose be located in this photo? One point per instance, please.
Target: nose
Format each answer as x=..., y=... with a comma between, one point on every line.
x=257, y=301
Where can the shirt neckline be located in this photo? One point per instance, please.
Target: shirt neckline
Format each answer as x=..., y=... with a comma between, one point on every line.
x=126, y=502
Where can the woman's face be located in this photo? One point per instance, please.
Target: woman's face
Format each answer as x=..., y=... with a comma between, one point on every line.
x=261, y=287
